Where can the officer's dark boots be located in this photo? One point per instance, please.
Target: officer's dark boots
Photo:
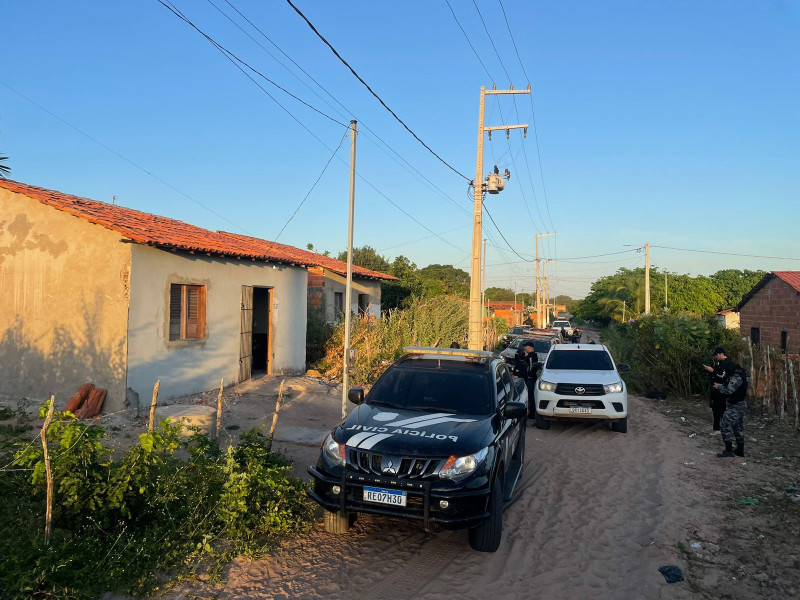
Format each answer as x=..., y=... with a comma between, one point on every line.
x=728, y=453
x=739, y=449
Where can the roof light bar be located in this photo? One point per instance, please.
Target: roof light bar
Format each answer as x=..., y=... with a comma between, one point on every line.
x=465, y=353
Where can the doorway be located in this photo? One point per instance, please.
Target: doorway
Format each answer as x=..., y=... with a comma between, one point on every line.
x=261, y=330
x=255, y=346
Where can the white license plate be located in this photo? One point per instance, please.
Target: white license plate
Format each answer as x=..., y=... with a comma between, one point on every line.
x=581, y=410
x=383, y=496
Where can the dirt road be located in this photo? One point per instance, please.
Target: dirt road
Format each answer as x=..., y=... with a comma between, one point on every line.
x=595, y=516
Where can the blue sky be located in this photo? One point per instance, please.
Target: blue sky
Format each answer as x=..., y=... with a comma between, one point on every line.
x=675, y=123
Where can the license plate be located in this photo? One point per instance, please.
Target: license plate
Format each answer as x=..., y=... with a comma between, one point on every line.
x=383, y=496
x=581, y=410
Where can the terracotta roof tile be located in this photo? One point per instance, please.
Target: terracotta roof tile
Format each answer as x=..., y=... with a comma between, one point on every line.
x=790, y=277
x=163, y=232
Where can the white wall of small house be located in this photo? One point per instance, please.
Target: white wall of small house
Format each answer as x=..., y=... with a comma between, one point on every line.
x=337, y=283
x=191, y=366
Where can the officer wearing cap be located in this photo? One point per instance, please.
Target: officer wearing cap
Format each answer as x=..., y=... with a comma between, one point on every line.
x=734, y=392
x=719, y=374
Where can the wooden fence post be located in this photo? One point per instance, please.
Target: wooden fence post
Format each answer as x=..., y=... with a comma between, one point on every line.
x=752, y=362
x=277, y=409
x=784, y=388
x=219, y=405
x=48, y=517
x=153, y=407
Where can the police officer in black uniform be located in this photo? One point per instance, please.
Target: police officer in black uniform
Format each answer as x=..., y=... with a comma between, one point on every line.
x=720, y=374
x=525, y=366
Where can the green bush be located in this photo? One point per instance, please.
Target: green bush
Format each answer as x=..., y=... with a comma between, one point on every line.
x=667, y=353
x=168, y=507
x=436, y=321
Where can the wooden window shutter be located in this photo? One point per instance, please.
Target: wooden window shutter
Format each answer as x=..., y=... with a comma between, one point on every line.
x=175, y=311
x=195, y=311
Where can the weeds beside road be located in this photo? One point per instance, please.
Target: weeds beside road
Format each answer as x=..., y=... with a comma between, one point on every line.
x=168, y=507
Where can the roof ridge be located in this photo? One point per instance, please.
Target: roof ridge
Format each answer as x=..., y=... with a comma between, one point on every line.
x=166, y=232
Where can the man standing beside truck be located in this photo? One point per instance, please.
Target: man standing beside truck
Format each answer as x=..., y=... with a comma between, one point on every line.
x=525, y=366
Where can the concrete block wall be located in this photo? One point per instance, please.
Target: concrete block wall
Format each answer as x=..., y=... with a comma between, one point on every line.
x=773, y=308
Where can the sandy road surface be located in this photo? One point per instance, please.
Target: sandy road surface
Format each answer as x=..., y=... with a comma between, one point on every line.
x=595, y=515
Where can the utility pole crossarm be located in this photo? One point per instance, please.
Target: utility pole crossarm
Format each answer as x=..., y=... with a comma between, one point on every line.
x=511, y=91
x=505, y=127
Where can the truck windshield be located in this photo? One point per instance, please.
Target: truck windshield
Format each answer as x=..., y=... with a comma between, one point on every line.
x=456, y=391
x=580, y=360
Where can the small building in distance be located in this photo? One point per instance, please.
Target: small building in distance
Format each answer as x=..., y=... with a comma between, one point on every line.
x=770, y=312
x=729, y=319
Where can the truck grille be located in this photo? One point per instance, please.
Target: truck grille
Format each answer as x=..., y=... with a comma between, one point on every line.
x=589, y=389
x=393, y=466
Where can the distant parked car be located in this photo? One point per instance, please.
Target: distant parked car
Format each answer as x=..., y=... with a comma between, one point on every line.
x=561, y=323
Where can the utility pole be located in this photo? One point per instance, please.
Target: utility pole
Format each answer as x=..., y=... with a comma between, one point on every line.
x=483, y=295
x=666, y=304
x=475, y=320
x=647, y=278
x=539, y=286
x=348, y=296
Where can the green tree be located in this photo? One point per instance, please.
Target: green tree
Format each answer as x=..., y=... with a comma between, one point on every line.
x=396, y=294
x=733, y=284
x=499, y=294
x=444, y=280
x=367, y=257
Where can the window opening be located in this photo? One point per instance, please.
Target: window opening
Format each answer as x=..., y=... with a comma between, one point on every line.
x=187, y=311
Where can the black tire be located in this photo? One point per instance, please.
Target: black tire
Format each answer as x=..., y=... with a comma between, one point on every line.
x=620, y=425
x=541, y=422
x=334, y=522
x=486, y=536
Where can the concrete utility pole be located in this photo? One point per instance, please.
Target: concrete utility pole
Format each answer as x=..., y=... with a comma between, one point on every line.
x=483, y=294
x=475, y=318
x=348, y=296
x=539, y=286
x=647, y=278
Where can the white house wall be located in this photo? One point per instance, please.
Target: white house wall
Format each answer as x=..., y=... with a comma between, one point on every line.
x=337, y=283
x=190, y=366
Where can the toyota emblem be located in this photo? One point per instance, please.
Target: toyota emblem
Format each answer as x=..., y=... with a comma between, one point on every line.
x=580, y=390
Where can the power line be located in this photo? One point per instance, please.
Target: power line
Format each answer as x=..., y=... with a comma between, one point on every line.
x=486, y=29
x=513, y=41
x=234, y=59
x=177, y=13
x=126, y=159
x=468, y=41
x=513, y=161
x=726, y=253
x=371, y=91
x=299, y=206
x=349, y=112
x=533, y=115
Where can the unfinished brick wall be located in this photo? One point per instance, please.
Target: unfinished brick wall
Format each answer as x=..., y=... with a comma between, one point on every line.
x=773, y=308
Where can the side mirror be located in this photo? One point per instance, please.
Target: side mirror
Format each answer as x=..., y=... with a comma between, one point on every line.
x=515, y=410
x=356, y=395
x=622, y=367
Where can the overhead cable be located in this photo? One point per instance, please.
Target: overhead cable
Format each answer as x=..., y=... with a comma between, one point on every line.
x=726, y=253
x=371, y=91
x=126, y=159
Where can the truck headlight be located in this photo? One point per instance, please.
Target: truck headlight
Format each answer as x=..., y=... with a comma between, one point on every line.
x=613, y=388
x=460, y=466
x=547, y=386
x=334, y=450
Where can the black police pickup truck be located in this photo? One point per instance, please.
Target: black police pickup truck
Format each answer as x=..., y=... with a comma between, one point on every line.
x=440, y=438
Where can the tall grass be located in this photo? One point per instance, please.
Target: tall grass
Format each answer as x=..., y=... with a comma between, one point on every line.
x=379, y=341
